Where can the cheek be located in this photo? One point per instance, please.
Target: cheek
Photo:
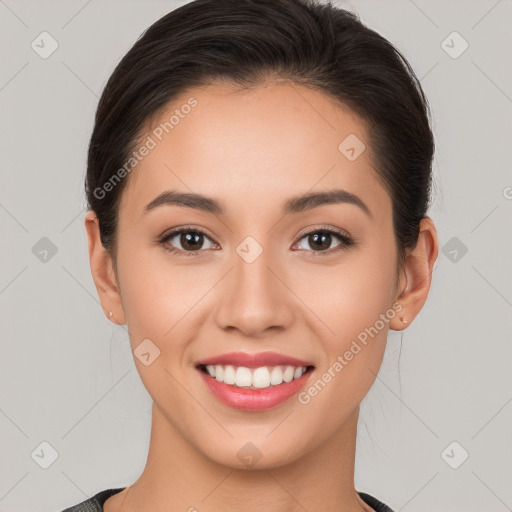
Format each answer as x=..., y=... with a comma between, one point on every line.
x=354, y=303
x=363, y=298
x=158, y=293
x=350, y=297
x=354, y=344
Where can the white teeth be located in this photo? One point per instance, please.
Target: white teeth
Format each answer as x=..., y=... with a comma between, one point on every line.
x=288, y=373
x=261, y=377
x=229, y=375
x=219, y=373
x=276, y=377
x=243, y=376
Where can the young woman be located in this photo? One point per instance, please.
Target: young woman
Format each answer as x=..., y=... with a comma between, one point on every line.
x=258, y=181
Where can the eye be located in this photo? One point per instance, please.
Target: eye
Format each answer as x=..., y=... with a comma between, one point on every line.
x=191, y=241
x=320, y=240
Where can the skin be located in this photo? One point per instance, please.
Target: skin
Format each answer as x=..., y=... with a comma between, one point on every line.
x=252, y=151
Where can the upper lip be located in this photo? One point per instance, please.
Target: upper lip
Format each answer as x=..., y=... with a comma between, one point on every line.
x=253, y=360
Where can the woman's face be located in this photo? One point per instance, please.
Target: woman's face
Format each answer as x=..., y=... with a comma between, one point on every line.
x=262, y=278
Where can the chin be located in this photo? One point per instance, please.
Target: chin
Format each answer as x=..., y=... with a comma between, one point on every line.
x=238, y=454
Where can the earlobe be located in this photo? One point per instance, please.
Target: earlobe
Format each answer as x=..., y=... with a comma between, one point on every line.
x=417, y=275
x=103, y=273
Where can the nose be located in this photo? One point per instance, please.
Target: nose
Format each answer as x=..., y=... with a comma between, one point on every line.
x=254, y=298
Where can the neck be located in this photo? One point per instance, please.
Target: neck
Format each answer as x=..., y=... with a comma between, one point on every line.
x=177, y=474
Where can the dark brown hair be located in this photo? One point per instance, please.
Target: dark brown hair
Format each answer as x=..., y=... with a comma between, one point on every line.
x=248, y=42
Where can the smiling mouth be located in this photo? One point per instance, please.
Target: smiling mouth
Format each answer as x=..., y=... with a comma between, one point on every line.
x=254, y=378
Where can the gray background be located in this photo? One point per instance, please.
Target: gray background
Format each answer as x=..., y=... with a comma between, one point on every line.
x=67, y=374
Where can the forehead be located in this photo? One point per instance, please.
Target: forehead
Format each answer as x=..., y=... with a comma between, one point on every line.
x=254, y=148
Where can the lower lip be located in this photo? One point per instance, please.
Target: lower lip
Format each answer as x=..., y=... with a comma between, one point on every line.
x=254, y=399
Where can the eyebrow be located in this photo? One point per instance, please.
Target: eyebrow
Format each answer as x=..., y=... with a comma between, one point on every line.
x=294, y=205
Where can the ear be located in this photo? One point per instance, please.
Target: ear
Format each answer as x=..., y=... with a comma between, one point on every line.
x=416, y=275
x=103, y=274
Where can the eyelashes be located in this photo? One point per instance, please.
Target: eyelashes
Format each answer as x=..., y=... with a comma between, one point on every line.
x=166, y=238
x=188, y=236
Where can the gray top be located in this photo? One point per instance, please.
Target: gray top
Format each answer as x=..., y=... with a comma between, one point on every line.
x=95, y=504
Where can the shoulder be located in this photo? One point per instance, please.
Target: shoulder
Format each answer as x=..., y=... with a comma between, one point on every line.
x=377, y=505
x=95, y=503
